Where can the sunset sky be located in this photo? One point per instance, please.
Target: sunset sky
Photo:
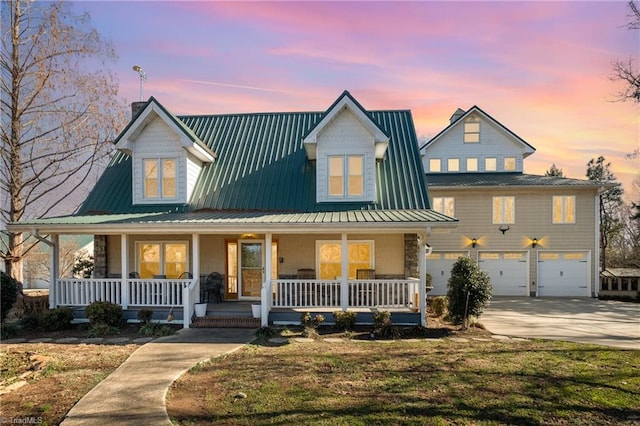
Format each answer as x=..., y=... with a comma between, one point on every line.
x=540, y=68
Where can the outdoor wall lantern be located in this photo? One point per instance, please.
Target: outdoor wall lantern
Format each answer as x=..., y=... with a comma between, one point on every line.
x=474, y=242
x=534, y=242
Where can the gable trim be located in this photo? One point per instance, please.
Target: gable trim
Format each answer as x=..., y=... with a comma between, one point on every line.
x=529, y=149
x=346, y=101
x=153, y=109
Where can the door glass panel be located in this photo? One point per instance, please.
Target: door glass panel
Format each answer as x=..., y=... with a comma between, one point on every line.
x=232, y=270
x=251, y=268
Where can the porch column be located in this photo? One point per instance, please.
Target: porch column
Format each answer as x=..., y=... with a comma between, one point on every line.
x=266, y=285
x=124, y=261
x=422, y=287
x=54, y=261
x=187, y=303
x=344, y=285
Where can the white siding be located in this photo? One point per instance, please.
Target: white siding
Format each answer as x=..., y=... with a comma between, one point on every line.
x=346, y=135
x=194, y=166
x=159, y=141
x=494, y=143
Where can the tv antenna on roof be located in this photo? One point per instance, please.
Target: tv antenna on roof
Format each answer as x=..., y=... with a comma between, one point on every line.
x=143, y=78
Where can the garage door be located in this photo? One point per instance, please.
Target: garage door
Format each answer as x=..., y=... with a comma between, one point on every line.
x=509, y=271
x=563, y=274
x=439, y=264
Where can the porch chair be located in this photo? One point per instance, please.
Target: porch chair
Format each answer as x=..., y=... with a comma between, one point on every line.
x=185, y=276
x=212, y=286
x=365, y=274
x=134, y=274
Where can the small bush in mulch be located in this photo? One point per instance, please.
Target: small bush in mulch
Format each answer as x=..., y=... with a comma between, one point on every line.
x=105, y=313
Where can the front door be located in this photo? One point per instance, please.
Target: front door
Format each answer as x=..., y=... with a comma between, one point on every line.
x=251, y=268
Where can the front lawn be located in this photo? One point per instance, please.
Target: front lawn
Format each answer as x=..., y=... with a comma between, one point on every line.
x=424, y=381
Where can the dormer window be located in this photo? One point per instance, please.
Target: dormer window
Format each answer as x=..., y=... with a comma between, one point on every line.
x=472, y=130
x=351, y=167
x=159, y=178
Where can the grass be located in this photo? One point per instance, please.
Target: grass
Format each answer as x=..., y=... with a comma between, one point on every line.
x=430, y=381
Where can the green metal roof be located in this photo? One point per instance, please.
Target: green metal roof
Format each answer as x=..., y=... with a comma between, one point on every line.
x=261, y=165
x=236, y=221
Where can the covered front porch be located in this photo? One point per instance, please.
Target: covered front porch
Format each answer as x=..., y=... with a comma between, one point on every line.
x=173, y=272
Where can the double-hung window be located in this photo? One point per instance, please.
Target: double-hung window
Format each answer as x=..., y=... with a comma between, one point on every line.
x=444, y=205
x=564, y=209
x=162, y=258
x=435, y=165
x=346, y=176
x=504, y=210
x=159, y=178
x=329, y=258
x=472, y=130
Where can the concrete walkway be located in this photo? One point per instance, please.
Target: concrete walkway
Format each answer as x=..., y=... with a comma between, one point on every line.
x=134, y=394
x=581, y=320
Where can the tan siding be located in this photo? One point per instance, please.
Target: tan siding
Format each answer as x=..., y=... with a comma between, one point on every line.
x=473, y=207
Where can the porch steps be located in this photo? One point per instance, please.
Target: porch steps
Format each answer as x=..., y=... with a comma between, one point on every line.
x=226, y=322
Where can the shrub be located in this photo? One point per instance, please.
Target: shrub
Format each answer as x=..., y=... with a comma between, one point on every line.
x=104, y=313
x=382, y=325
x=439, y=305
x=101, y=329
x=8, y=331
x=469, y=290
x=345, y=320
x=145, y=315
x=153, y=329
x=31, y=321
x=265, y=332
x=56, y=319
x=8, y=294
x=310, y=324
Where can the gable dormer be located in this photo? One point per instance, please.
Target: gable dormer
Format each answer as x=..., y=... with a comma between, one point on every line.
x=474, y=142
x=167, y=157
x=346, y=143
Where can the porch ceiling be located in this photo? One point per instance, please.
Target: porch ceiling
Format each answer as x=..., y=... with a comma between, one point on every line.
x=245, y=221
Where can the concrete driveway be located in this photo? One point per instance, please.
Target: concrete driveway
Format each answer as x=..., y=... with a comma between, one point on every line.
x=582, y=320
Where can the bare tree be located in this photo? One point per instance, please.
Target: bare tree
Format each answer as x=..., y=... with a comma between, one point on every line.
x=610, y=204
x=59, y=105
x=626, y=71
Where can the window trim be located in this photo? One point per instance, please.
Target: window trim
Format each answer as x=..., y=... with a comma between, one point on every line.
x=471, y=135
x=443, y=210
x=515, y=164
x=160, y=179
x=503, y=213
x=162, y=244
x=432, y=161
x=495, y=166
x=563, y=213
x=475, y=169
x=371, y=243
x=449, y=164
x=346, y=177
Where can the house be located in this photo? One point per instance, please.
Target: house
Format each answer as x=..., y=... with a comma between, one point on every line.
x=534, y=235
x=299, y=210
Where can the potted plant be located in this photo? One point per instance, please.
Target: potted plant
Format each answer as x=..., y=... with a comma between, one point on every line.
x=201, y=309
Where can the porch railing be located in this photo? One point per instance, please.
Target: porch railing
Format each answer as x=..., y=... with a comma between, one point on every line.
x=137, y=292
x=296, y=293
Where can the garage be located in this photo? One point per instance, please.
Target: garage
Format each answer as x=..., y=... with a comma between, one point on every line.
x=439, y=264
x=509, y=271
x=564, y=274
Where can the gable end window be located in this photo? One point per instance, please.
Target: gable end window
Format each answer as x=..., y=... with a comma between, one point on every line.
x=435, y=165
x=346, y=175
x=564, y=209
x=453, y=165
x=504, y=210
x=472, y=130
x=159, y=178
x=509, y=164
